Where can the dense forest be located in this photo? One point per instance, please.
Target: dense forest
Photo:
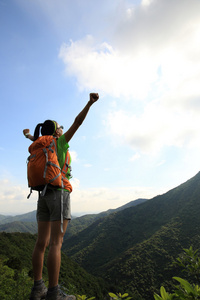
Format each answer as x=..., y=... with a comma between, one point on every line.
x=134, y=249
x=16, y=276
x=131, y=249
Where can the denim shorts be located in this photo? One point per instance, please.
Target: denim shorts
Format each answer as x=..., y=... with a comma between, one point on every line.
x=49, y=206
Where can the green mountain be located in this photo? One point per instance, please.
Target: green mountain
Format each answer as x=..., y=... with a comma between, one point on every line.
x=18, y=226
x=27, y=222
x=79, y=224
x=15, y=258
x=28, y=217
x=16, y=270
x=20, y=223
x=133, y=249
x=2, y=217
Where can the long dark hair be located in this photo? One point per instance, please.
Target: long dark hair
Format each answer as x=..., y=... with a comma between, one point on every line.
x=47, y=128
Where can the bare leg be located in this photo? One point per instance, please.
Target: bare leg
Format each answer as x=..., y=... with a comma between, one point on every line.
x=54, y=255
x=40, y=247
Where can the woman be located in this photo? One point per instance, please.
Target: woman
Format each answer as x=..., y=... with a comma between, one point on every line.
x=49, y=215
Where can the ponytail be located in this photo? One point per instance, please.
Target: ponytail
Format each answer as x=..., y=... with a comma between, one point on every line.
x=47, y=128
x=37, y=131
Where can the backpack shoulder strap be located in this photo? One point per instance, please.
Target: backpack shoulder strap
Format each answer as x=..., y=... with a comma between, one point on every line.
x=66, y=165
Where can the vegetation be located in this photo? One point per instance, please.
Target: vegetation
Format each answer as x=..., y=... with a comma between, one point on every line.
x=119, y=296
x=28, y=217
x=20, y=223
x=19, y=226
x=16, y=283
x=190, y=261
x=136, y=247
x=131, y=250
x=16, y=276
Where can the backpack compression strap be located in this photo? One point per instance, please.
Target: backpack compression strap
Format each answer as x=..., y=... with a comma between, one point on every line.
x=64, y=172
x=49, y=162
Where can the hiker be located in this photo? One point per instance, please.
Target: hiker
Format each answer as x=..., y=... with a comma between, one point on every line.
x=49, y=214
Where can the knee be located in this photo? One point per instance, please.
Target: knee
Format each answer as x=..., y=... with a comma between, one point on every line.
x=56, y=242
x=41, y=245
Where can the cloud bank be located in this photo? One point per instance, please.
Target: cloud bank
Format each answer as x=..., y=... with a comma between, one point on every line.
x=13, y=198
x=152, y=58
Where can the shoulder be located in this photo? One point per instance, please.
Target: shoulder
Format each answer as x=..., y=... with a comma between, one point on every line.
x=61, y=143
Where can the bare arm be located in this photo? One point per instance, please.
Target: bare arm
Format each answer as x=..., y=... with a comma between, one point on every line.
x=81, y=117
x=77, y=122
x=27, y=134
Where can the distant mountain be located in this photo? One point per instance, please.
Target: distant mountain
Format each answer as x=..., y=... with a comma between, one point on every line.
x=133, y=249
x=2, y=217
x=17, y=226
x=27, y=222
x=28, y=217
x=20, y=223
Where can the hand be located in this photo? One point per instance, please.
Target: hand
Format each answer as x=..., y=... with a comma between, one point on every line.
x=93, y=97
x=25, y=131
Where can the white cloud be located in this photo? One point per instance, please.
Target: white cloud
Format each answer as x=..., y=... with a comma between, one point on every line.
x=87, y=165
x=161, y=163
x=153, y=58
x=75, y=183
x=146, y=2
x=156, y=46
x=13, y=198
x=156, y=127
x=101, y=199
x=100, y=67
x=74, y=156
x=135, y=157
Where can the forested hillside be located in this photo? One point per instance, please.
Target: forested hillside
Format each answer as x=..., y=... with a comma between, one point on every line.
x=134, y=248
x=16, y=270
x=79, y=224
x=18, y=226
x=28, y=217
x=20, y=223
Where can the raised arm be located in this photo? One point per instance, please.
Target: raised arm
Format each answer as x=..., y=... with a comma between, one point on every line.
x=81, y=117
x=27, y=134
x=77, y=122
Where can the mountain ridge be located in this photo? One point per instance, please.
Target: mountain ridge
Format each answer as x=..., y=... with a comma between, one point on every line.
x=27, y=217
x=27, y=222
x=133, y=249
x=126, y=231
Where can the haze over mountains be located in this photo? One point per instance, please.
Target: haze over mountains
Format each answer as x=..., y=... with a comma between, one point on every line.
x=27, y=222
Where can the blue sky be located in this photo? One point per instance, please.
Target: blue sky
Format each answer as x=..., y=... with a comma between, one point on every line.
x=143, y=57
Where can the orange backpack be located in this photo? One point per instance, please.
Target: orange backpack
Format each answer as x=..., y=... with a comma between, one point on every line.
x=43, y=167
